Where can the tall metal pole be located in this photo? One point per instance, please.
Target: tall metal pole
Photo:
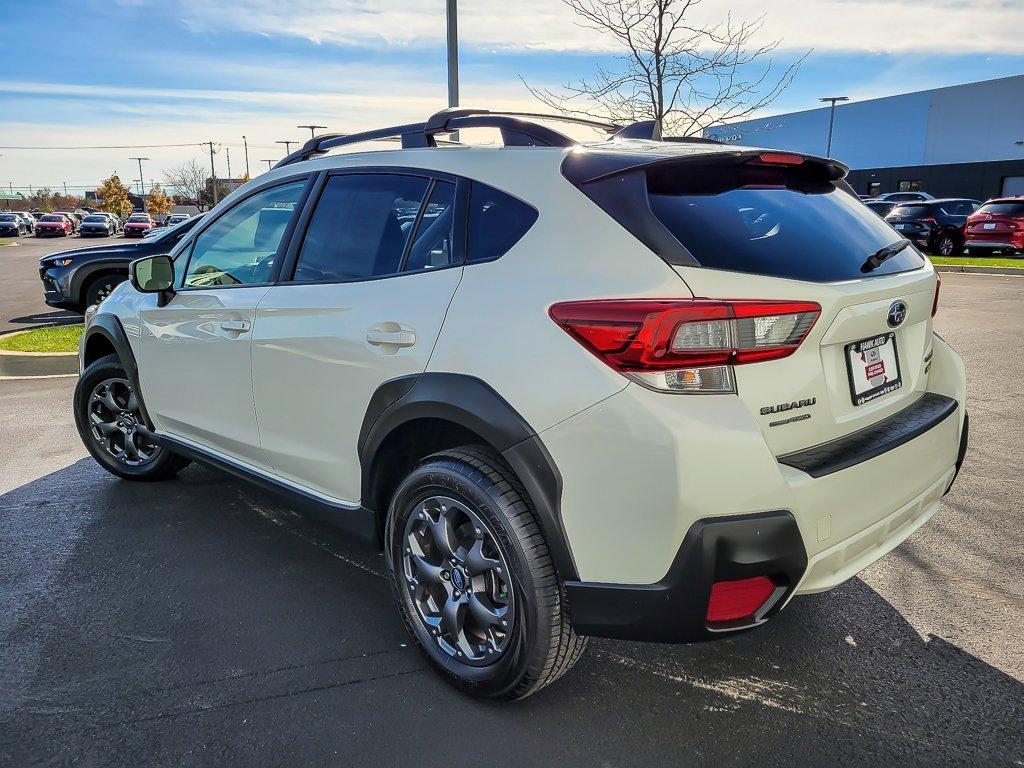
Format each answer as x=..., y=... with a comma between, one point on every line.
x=66, y=188
x=245, y=144
x=227, y=154
x=832, y=119
x=453, y=57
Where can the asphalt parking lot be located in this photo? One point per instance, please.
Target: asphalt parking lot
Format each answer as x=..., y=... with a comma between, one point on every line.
x=21, y=294
x=201, y=622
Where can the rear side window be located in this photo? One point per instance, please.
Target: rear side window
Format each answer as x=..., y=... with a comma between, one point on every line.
x=959, y=208
x=360, y=227
x=497, y=221
x=1003, y=209
x=780, y=221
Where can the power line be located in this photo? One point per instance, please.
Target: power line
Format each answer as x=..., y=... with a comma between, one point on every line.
x=120, y=146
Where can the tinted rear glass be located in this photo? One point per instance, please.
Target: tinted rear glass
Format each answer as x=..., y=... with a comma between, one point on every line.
x=1003, y=209
x=911, y=211
x=958, y=207
x=775, y=221
x=497, y=221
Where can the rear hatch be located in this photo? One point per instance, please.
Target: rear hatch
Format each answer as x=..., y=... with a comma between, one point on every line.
x=996, y=221
x=761, y=225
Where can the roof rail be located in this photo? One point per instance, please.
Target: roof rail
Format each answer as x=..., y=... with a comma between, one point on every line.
x=515, y=131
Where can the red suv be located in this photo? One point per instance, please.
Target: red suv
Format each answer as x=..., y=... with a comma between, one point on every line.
x=997, y=226
x=54, y=225
x=138, y=224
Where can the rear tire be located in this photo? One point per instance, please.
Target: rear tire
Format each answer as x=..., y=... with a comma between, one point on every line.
x=948, y=245
x=109, y=422
x=485, y=606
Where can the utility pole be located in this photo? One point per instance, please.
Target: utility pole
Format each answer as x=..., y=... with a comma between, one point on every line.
x=287, y=146
x=453, y=57
x=213, y=173
x=312, y=129
x=245, y=143
x=227, y=154
x=65, y=189
x=270, y=164
x=832, y=119
x=142, y=184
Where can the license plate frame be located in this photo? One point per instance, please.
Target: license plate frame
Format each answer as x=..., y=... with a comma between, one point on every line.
x=872, y=343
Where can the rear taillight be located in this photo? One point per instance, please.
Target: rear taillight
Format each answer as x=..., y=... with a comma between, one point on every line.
x=686, y=345
x=739, y=599
x=935, y=301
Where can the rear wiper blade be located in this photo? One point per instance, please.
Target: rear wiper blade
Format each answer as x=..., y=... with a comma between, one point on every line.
x=876, y=259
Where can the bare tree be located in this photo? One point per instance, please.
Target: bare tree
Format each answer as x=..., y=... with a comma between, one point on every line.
x=188, y=181
x=684, y=75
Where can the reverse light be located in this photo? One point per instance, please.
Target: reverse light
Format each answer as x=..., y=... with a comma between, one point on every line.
x=686, y=346
x=739, y=599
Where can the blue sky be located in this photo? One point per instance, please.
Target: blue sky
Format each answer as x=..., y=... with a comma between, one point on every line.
x=117, y=72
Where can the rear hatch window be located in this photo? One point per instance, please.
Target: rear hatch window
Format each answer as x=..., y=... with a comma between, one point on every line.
x=911, y=212
x=780, y=221
x=1003, y=209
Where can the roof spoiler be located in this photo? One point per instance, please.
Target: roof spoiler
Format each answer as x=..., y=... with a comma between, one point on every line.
x=518, y=129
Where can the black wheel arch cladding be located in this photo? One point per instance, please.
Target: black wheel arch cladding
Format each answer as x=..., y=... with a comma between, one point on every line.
x=109, y=327
x=473, y=405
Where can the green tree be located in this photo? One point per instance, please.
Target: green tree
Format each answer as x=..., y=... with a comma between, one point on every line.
x=114, y=197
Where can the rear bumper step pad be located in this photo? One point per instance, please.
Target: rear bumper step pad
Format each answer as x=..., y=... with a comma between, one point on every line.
x=848, y=451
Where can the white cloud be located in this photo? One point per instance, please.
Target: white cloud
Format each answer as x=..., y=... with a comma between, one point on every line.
x=945, y=26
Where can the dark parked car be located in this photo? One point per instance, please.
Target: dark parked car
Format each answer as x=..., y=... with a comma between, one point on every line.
x=881, y=207
x=54, y=225
x=936, y=226
x=12, y=225
x=997, y=227
x=97, y=225
x=74, y=280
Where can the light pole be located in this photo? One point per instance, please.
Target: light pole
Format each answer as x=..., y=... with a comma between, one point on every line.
x=312, y=129
x=227, y=154
x=832, y=119
x=287, y=145
x=245, y=144
x=453, y=57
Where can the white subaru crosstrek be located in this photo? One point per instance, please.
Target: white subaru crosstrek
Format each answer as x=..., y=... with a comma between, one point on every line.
x=634, y=388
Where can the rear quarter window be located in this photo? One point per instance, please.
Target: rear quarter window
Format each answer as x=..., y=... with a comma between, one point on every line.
x=497, y=221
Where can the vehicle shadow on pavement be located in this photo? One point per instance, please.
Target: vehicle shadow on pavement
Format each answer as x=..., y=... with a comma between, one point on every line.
x=201, y=622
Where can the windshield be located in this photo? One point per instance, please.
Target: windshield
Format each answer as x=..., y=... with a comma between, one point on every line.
x=139, y=219
x=95, y=219
x=52, y=218
x=8, y=217
x=1003, y=209
x=772, y=221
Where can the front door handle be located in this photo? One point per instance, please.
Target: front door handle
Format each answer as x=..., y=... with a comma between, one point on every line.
x=391, y=336
x=236, y=326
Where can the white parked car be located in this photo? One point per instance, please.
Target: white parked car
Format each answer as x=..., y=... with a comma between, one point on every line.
x=632, y=389
x=902, y=197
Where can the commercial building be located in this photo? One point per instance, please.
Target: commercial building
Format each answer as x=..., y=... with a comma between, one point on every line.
x=959, y=141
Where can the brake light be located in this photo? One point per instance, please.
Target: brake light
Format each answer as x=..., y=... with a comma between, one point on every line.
x=686, y=345
x=739, y=599
x=935, y=301
x=780, y=158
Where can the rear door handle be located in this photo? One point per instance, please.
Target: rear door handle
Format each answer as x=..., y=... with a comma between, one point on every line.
x=402, y=338
x=235, y=326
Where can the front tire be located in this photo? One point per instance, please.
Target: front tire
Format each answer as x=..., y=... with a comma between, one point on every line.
x=101, y=287
x=110, y=424
x=473, y=577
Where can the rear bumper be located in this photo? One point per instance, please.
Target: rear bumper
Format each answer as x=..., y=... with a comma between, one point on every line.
x=664, y=496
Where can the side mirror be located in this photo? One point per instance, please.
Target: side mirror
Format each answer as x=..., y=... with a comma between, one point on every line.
x=154, y=274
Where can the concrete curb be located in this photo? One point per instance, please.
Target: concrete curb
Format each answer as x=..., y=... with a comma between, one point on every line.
x=32, y=364
x=1016, y=271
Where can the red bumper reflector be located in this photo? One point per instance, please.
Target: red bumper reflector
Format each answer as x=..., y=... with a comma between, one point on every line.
x=740, y=599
